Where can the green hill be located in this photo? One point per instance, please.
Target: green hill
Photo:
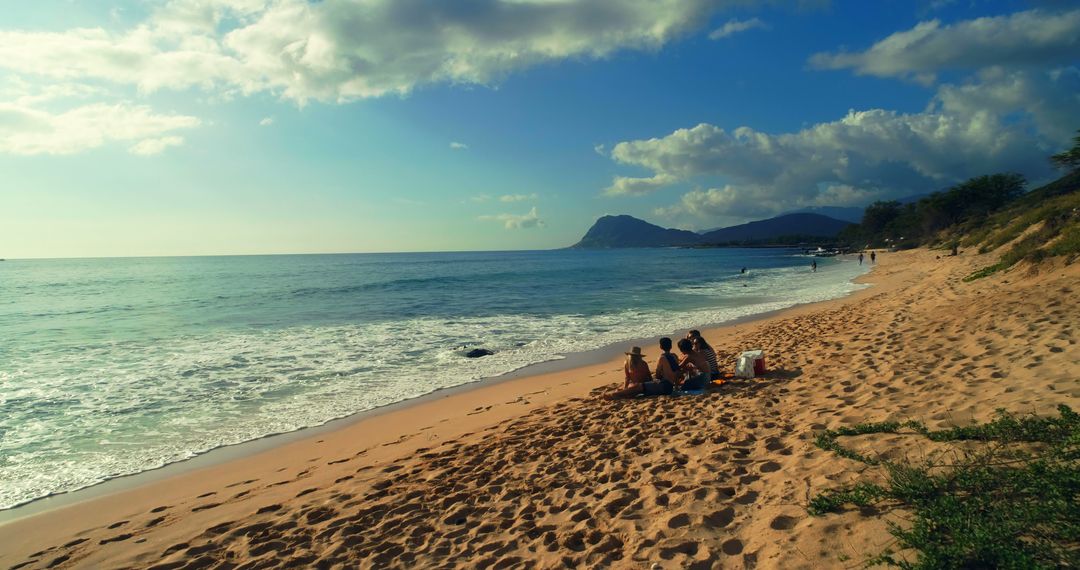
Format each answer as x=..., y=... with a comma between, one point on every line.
x=1040, y=224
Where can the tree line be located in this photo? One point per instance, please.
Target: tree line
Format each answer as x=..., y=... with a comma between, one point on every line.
x=890, y=223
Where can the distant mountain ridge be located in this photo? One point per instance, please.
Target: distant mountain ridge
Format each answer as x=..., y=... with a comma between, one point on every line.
x=627, y=231
x=815, y=225
x=851, y=214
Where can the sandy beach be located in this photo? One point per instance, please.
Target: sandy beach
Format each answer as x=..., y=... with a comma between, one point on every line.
x=538, y=472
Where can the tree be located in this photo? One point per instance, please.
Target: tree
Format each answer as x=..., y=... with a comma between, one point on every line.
x=878, y=215
x=1069, y=159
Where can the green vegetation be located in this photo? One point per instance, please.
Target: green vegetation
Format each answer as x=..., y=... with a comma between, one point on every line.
x=1009, y=501
x=1043, y=223
x=987, y=213
x=1071, y=158
x=886, y=223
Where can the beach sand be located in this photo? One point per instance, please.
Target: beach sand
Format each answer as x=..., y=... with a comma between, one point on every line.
x=537, y=472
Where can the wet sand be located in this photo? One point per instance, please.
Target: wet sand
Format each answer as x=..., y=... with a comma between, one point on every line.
x=537, y=472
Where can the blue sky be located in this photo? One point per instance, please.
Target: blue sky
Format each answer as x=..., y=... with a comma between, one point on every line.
x=187, y=127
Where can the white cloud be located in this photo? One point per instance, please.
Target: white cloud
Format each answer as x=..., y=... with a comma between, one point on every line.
x=25, y=94
x=860, y=157
x=1020, y=107
x=1031, y=38
x=458, y=146
x=630, y=186
x=733, y=26
x=28, y=131
x=150, y=147
x=1051, y=98
x=517, y=197
x=339, y=50
x=266, y=122
x=517, y=222
x=480, y=198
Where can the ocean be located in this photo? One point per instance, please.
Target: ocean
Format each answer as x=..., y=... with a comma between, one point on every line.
x=110, y=367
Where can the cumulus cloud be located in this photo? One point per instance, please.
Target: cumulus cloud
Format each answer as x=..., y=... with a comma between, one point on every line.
x=863, y=156
x=28, y=131
x=630, y=186
x=23, y=93
x=458, y=146
x=517, y=222
x=341, y=50
x=1050, y=98
x=517, y=197
x=733, y=26
x=1031, y=38
x=150, y=147
x=1019, y=106
x=266, y=122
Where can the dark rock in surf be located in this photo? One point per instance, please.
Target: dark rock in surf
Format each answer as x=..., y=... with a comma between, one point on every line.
x=478, y=352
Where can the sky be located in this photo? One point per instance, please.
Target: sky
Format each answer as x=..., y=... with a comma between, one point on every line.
x=206, y=127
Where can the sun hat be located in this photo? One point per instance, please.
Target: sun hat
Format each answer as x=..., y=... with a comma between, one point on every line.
x=634, y=351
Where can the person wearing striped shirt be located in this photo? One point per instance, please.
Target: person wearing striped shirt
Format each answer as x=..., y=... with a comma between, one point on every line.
x=710, y=354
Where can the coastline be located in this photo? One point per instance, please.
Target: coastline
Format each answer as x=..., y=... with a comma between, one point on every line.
x=863, y=356
x=611, y=353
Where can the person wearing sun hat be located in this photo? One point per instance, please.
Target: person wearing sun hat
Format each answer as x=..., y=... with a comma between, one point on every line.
x=635, y=366
x=635, y=370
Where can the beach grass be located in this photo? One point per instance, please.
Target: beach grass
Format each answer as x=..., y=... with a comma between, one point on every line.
x=1009, y=502
x=1043, y=224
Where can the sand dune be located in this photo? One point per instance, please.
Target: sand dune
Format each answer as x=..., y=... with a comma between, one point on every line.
x=539, y=473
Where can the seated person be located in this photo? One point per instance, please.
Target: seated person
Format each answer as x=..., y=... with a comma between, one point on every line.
x=701, y=345
x=635, y=369
x=667, y=372
x=667, y=368
x=695, y=366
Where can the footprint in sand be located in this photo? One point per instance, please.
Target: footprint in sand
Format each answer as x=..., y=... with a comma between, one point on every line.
x=678, y=521
x=719, y=519
x=749, y=498
x=783, y=522
x=770, y=466
x=117, y=538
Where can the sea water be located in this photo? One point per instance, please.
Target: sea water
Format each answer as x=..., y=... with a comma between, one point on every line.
x=110, y=367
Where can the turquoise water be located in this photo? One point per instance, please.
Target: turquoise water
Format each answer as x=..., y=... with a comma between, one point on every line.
x=110, y=367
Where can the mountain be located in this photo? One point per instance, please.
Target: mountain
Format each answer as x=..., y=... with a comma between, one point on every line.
x=787, y=225
x=851, y=214
x=628, y=231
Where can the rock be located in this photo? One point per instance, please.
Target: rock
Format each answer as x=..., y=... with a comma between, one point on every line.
x=478, y=352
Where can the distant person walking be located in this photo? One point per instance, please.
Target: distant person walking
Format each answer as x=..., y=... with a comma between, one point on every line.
x=813, y=266
x=873, y=257
x=860, y=258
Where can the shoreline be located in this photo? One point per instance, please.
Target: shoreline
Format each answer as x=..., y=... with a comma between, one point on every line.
x=537, y=471
x=239, y=451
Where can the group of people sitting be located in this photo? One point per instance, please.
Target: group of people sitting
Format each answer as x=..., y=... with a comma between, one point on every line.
x=692, y=371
